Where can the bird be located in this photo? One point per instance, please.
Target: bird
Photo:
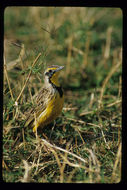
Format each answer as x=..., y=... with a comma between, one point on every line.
x=48, y=102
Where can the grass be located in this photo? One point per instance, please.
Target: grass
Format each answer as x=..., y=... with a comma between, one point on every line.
x=84, y=143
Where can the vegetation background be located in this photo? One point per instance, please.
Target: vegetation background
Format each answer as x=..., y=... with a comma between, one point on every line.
x=84, y=144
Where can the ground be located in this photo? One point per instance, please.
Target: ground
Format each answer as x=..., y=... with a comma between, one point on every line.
x=84, y=144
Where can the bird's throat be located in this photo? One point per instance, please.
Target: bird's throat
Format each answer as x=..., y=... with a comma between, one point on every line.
x=55, y=84
x=54, y=80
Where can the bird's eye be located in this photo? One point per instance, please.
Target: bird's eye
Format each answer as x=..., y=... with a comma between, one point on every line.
x=49, y=72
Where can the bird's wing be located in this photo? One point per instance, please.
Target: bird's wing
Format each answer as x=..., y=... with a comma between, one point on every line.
x=39, y=106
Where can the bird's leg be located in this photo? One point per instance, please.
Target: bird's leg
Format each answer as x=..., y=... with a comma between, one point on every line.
x=35, y=128
x=52, y=129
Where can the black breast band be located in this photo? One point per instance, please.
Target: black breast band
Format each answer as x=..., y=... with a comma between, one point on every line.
x=58, y=88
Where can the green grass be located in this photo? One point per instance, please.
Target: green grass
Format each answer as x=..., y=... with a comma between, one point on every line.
x=84, y=143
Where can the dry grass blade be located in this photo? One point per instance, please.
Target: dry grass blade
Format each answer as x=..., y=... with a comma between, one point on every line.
x=118, y=159
x=21, y=57
x=69, y=109
x=64, y=163
x=8, y=80
x=108, y=43
x=77, y=50
x=113, y=70
x=116, y=102
x=68, y=67
x=87, y=44
x=75, y=120
x=26, y=177
x=71, y=175
x=63, y=150
x=86, y=113
x=35, y=61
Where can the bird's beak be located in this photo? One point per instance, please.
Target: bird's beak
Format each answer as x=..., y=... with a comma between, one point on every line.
x=60, y=68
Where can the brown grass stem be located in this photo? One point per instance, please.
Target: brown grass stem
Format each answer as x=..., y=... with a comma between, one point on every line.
x=5, y=69
x=27, y=79
x=113, y=70
x=63, y=150
x=118, y=158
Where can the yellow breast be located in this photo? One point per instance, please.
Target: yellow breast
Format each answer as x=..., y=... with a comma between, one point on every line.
x=52, y=111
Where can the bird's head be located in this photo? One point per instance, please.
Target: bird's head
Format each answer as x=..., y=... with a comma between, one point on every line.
x=52, y=73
